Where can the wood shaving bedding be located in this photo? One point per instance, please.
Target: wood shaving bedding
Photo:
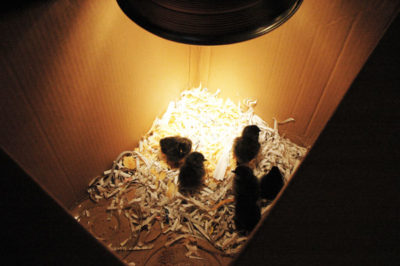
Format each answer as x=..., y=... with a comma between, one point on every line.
x=212, y=124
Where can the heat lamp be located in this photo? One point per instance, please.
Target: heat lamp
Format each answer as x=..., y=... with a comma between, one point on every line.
x=209, y=22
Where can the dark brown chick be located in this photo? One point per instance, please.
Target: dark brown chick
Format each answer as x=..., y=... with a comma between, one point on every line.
x=271, y=184
x=246, y=191
x=246, y=147
x=175, y=148
x=245, y=183
x=192, y=172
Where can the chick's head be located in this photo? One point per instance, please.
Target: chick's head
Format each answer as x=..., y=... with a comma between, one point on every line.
x=244, y=171
x=195, y=158
x=251, y=131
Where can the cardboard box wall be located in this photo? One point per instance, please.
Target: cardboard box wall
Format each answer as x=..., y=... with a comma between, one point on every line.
x=340, y=209
x=81, y=82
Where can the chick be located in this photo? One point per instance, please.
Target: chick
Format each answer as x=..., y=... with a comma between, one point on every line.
x=175, y=148
x=246, y=216
x=245, y=183
x=246, y=191
x=271, y=184
x=191, y=173
x=246, y=147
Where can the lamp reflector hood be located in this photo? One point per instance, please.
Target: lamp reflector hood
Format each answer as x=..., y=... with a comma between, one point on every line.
x=209, y=22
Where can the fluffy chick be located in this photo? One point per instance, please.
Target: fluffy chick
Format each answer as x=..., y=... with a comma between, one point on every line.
x=246, y=191
x=246, y=216
x=246, y=147
x=245, y=183
x=175, y=148
x=191, y=173
x=271, y=184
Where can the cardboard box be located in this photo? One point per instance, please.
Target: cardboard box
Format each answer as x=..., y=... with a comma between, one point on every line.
x=81, y=82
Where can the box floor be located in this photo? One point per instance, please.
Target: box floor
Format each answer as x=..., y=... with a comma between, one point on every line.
x=112, y=229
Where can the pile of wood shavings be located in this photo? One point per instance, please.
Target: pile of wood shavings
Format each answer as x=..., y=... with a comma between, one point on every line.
x=212, y=124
